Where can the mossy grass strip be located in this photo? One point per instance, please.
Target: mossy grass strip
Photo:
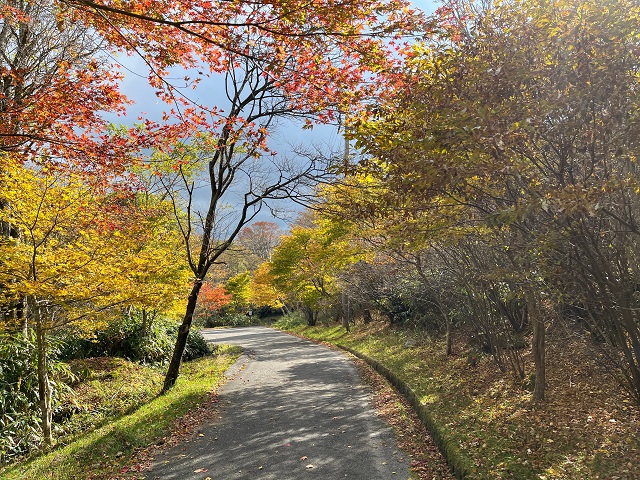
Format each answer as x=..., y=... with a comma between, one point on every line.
x=461, y=464
x=106, y=450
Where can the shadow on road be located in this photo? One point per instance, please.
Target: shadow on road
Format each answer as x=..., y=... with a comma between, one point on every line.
x=297, y=410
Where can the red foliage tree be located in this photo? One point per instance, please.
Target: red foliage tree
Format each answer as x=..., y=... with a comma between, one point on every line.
x=283, y=58
x=213, y=297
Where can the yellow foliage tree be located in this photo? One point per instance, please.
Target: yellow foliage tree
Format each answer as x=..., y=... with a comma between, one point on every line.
x=306, y=263
x=75, y=251
x=263, y=289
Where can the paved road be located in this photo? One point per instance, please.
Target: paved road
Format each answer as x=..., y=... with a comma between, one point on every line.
x=297, y=410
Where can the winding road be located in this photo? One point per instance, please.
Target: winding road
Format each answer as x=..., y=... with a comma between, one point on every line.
x=292, y=410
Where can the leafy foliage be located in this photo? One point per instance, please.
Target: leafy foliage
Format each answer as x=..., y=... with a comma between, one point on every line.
x=509, y=164
x=239, y=287
x=19, y=414
x=126, y=338
x=305, y=263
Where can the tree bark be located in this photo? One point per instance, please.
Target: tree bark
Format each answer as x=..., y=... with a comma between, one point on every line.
x=311, y=317
x=22, y=317
x=448, y=347
x=345, y=323
x=181, y=341
x=44, y=386
x=345, y=312
x=537, y=322
x=146, y=323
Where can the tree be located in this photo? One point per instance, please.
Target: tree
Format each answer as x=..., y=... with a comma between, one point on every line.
x=78, y=252
x=213, y=298
x=307, y=261
x=263, y=290
x=54, y=82
x=239, y=287
x=156, y=265
x=524, y=114
x=258, y=240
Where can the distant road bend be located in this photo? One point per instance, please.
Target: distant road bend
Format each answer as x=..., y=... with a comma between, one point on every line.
x=297, y=410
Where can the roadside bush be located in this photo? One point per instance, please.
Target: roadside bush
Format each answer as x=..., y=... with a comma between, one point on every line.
x=19, y=409
x=18, y=396
x=291, y=320
x=196, y=347
x=74, y=345
x=126, y=338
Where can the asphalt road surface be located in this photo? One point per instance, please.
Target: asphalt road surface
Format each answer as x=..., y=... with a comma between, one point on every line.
x=293, y=410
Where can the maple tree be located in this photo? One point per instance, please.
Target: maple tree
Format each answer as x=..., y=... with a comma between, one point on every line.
x=239, y=287
x=281, y=60
x=213, y=297
x=263, y=290
x=306, y=263
x=76, y=253
x=56, y=82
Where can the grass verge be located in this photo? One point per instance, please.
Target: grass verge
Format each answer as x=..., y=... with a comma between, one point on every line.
x=107, y=451
x=587, y=428
x=427, y=463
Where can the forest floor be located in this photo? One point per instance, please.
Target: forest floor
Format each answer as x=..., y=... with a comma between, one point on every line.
x=587, y=428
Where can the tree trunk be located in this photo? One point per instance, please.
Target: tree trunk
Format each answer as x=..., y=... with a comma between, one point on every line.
x=44, y=386
x=345, y=323
x=285, y=310
x=448, y=347
x=311, y=316
x=345, y=312
x=448, y=325
x=181, y=341
x=145, y=323
x=537, y=322
x=23, y=317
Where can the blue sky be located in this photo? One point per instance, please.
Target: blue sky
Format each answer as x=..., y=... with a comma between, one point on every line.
x=282, y=140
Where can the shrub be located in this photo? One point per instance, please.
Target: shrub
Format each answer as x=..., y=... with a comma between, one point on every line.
x=291, y=320
x=19, y=410
x=125, y=338
x=196, y=347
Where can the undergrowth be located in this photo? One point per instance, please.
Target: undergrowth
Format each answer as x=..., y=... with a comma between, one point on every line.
x=122, y=401
x=588, y=428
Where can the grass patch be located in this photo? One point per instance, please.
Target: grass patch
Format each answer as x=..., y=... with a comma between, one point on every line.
x=587, y=429
x=108, y=449
x=105, y=388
